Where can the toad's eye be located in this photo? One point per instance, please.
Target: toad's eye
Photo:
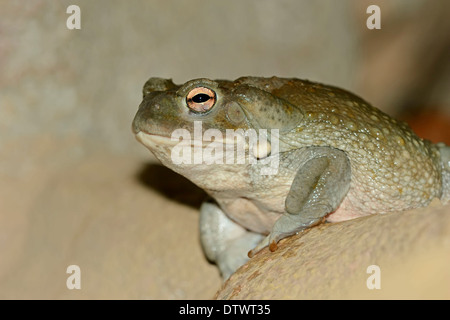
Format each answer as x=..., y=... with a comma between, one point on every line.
x=201, y=99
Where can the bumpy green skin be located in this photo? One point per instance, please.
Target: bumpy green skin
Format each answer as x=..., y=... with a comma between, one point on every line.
x=340, y=158
x=392, y=168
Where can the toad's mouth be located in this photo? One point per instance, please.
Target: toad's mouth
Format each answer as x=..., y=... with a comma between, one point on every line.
x=151, y=140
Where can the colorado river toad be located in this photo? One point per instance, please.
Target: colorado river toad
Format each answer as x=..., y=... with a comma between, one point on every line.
x=336, y=156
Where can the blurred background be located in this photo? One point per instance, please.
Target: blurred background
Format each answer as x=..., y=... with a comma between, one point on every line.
x=75, y=186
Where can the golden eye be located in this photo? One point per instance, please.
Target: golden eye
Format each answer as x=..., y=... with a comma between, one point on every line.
x=201, y=99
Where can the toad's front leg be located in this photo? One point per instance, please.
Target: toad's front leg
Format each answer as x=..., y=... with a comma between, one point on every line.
x=317, y=190
x=224, y=242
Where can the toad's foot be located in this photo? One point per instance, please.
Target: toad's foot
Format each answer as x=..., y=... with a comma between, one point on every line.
x=224, y=242
x=318, y=188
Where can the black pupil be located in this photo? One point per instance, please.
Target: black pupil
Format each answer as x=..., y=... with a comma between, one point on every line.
x=200, y=98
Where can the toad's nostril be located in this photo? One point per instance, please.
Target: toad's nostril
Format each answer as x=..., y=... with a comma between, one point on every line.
x=135, y=127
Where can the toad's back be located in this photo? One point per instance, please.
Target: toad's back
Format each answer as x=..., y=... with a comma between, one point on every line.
x=392, y=168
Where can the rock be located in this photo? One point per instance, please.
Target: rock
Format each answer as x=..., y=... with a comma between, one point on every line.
x=119, y=219
x=330, y=261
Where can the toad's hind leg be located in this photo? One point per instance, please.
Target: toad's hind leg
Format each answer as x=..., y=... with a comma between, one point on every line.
x=224, y=242
x=317, y=190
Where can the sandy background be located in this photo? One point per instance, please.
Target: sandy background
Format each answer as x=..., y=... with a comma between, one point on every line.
x=75, y=186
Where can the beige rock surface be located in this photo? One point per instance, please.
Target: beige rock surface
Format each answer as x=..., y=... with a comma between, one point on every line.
x=411, y=249
x=118, y=218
